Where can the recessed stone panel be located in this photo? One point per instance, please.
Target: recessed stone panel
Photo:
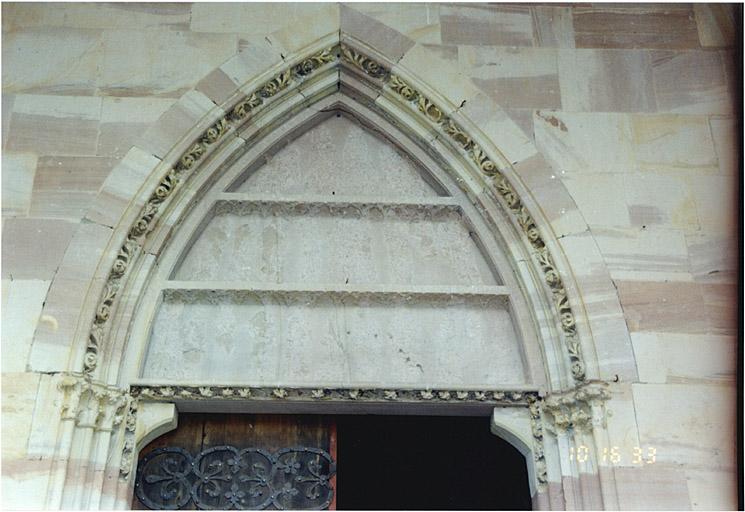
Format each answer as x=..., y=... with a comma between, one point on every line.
x=336, y=158
x=337, y=245
x=316, y=338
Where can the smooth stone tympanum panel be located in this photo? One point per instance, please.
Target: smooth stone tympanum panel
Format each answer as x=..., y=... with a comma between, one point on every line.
x=318, y=247
x=308, y=339
x=337, y=158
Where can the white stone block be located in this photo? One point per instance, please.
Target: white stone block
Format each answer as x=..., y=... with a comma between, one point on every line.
x=20, y=314
x=17, y=181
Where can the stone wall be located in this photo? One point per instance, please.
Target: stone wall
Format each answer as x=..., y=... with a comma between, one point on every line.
x=639, y=125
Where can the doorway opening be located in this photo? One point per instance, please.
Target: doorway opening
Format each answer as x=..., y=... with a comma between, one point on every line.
x=337, y=462
x=427, y=463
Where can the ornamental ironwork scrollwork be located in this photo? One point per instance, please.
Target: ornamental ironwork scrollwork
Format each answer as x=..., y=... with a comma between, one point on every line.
x=226, y=477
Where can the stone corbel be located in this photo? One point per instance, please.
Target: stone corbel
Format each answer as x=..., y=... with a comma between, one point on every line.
x=576, y=410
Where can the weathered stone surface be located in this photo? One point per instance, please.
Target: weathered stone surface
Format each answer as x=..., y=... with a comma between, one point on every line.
x=418, y=21
x=691, y=82
x=181, y=57
x=336, y=342
x=653, y=26
x=505, y=25
x=386, y=40
x=716, y=24
x=584, y=142
x=104, y=16
x=19, y=391
x=553, y=26
x=49, y=60
x=123, y=120
x=18, y=180
x=670, y=143
x=33, y=248
x=352, y=168
x=688, y=424
x=633, y=177
x=663, y=307
x=54, y=125
x=519, y=78
x=676, y=358
x=65, y=187
x=597, y=81
x=21, y=307
x=658, y=487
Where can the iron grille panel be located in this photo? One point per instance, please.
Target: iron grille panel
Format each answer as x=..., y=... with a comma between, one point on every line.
x=226, y=477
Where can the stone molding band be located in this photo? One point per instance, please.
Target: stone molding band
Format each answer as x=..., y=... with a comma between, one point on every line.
x=297, y=297
x=172, y=393
x=409, y=211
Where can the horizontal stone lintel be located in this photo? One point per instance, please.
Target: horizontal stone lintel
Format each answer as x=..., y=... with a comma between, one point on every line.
x=184, y=394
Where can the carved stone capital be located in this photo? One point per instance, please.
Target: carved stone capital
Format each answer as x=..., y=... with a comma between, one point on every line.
x=573, y=410
x=91, y=404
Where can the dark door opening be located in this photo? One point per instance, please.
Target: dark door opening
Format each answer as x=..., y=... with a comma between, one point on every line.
x=427, y=463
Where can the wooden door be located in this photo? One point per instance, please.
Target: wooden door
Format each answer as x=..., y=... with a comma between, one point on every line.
x=244, y=461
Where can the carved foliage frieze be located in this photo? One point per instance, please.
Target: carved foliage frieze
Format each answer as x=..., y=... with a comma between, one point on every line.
x=128, y=447
x=171, y=393
x=383, y=298
x=536, y=427
x=404, y=211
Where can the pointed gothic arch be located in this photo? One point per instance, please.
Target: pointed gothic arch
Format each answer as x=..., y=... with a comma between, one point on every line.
x=284, y=101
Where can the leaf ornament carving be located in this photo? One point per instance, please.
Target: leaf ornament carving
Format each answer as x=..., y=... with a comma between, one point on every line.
x=458, y=135
x=536, y=427
x=314, y=62
x=430, y=109
x=363, y=62
x=215, y=132
x=243, y=108
x=276, y=84
x=507, y=192
x=191, y=156
x=104, y=309
x=402, y=88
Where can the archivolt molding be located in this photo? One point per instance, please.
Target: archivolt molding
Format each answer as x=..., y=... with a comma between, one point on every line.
x=173, y=179
x=291, y=77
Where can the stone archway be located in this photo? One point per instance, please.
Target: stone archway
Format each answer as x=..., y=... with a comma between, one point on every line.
x=463, y=141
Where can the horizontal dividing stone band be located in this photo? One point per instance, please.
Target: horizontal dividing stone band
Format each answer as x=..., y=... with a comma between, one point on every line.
x=176, y=393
